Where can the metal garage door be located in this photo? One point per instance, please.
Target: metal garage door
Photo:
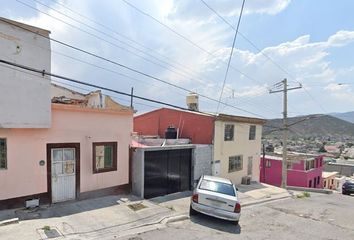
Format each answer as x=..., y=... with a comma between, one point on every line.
x=167, y=171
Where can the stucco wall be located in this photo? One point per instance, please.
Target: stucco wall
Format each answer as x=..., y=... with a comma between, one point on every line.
x=296, y=176
x=26, y=147
x=241, y=145
x=195, y=126
x=24, y=98
x=203, y=156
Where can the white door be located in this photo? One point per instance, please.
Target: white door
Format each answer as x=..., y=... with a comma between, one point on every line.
x=63, y=174
x=216, y=168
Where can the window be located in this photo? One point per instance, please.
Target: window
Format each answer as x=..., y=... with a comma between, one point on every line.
x=104, y=157
x=310, y=164
x=318, y=180
x=235, y=163
x=229, y=132
x=252, y=134
x=218, y=187
x=3, y=154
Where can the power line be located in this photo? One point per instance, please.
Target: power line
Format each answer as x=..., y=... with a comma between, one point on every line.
x=44, y=73
x=105, y=40
x=232, y=50
x=132, y=40
x=125, y=67
x=15, y=66
x=111, y=43
x=187, y=39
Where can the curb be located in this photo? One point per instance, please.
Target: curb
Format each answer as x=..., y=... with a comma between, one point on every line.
x=263, y=201
x=175, y=219
x=314, y=190
x=9, y=221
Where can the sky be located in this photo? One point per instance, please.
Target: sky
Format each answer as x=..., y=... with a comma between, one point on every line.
x=185, y=44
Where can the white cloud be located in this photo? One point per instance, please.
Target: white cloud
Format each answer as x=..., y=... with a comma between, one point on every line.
x=195, y=10
x=341, y=38
x=335, y=87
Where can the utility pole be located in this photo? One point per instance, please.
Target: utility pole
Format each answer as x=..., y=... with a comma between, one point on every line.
x=131, y=98
x=285, y=90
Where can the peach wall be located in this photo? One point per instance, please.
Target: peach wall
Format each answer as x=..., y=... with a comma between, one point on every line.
x=26, y=147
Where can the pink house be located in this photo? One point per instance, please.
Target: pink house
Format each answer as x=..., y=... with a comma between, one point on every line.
x=84, y=153
x=302, y=171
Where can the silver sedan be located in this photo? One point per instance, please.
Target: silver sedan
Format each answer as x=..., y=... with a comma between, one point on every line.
x=216, y=197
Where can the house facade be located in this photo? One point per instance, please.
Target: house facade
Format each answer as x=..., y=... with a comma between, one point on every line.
x=84, y=153
x=24, y=97
x=235, y=141
x=55, y=144
x=303, y=171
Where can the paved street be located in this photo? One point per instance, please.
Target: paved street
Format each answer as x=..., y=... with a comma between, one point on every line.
x=318, y=217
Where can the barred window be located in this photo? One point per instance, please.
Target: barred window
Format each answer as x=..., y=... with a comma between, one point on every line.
x=235, y=163
x=252, y=133
x=229, y=132
x=3, y=154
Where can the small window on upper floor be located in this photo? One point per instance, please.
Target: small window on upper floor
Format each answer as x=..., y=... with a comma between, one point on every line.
x=3, y=153
x=252, y=133
x=229, y=132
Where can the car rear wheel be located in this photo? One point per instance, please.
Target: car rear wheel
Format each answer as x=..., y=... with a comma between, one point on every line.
x=192, y=212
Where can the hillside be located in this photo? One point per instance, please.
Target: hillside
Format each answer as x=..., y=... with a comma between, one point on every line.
x=314, y=126
x=347, y=116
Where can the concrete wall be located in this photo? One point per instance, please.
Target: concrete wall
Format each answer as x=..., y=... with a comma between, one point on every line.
x=203, y=156
x=342, y=169
x=71, y=124
x=195, y=126
x=24, y=98
x=138, y=172
x=241, y=145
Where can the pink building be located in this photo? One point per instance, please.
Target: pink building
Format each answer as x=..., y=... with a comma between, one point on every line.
x=302, y=171
x=84, y=153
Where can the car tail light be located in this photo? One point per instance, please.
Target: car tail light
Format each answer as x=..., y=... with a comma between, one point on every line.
x=195, y=198
x=237, y=208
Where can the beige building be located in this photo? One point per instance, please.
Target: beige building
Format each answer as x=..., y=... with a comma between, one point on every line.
x=237, y=147
x=329, y=179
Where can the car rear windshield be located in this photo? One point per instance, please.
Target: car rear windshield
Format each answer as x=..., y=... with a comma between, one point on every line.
x=218, y=187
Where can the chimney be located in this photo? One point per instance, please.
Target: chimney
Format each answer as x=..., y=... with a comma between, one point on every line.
x=192, y=101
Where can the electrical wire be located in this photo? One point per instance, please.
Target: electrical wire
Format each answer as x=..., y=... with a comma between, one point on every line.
x=230, y=57
x=187, y=39
x=125, y=67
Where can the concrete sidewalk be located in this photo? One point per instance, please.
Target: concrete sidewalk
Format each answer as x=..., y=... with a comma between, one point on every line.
x=115, y=216
x=102, y=218
x=252, y=194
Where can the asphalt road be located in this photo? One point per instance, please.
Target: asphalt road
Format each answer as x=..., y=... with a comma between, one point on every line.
x=317, y=217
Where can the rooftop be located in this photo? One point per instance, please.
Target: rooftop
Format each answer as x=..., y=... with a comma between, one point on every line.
x=220, y=117
x=329, y=174
x=24, y=26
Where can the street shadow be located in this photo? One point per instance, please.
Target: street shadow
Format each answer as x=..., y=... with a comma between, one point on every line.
x=171, y=197
x=216, y=223
x=66, y=208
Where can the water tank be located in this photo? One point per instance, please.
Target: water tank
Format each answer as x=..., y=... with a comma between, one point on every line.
x=192, y=102
x=171, y=133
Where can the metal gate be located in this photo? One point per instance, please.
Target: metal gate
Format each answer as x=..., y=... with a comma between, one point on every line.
x=167, y=171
